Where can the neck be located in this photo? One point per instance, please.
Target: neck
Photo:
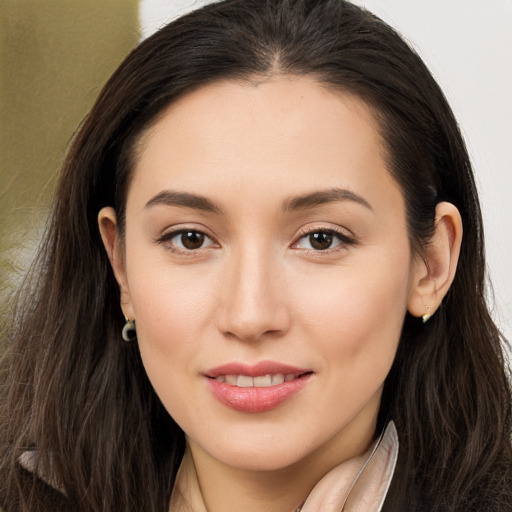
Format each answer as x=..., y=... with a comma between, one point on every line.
x=206, y=485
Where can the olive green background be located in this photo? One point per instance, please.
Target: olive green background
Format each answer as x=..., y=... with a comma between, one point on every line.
x=55, y=55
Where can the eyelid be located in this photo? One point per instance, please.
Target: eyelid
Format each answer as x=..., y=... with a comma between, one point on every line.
x=345, y=237
x=171, y=232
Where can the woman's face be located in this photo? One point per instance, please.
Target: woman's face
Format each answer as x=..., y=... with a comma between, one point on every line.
x=268, y=267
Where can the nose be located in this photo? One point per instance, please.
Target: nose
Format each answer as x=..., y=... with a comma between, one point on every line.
x=254, y=297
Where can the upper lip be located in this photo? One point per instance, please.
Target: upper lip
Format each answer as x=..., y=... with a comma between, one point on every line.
x=255, y=370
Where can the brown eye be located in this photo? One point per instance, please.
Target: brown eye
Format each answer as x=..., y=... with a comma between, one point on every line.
x=321, y=240
x=192, y=239
x=186, y=240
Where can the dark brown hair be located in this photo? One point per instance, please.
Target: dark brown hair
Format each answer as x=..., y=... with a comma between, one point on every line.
x=73, y=391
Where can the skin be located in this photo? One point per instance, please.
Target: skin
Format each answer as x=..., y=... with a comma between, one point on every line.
x=258, y=290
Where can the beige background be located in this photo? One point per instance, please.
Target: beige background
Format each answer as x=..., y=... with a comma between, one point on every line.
x=55, y=56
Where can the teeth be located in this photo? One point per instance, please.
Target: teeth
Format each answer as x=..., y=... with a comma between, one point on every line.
x=264, y=381
x=277, y=379
x=244, y=381
x=231, y=379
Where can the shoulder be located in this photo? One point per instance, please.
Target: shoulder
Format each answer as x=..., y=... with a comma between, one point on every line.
x=31, y=489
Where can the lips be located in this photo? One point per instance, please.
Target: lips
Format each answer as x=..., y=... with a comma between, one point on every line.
x=258, y=388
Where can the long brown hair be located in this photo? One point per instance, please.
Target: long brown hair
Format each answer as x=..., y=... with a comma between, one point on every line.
x=75, y=393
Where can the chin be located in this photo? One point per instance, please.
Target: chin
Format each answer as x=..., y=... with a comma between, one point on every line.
x=264, y=461
x=252, y=454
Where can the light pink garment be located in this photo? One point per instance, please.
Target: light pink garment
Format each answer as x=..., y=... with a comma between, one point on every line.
x=354, y=488
x=30, y=461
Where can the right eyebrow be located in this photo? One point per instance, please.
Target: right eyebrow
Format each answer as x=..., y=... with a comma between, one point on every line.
x=184, y=199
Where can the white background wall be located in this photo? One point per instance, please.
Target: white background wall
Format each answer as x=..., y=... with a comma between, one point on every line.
x=468, y=46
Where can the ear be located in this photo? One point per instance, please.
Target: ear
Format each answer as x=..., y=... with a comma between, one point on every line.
x=107, y=222
x=433, y=273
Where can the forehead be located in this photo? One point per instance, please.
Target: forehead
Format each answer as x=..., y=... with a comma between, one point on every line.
x=296, y=101
x=285, y=131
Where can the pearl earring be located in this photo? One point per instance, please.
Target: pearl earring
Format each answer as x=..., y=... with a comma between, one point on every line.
x=426, y=316
x=129, y=333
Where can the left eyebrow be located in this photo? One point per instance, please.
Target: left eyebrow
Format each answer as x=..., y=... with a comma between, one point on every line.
x=321, y=197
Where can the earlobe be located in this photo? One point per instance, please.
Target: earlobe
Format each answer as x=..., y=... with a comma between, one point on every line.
x=434, y=272
x=107, y=222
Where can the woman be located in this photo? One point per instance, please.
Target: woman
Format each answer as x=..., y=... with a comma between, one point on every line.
x=255, y=292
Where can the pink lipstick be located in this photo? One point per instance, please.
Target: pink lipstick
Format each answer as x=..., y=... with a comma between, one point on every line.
x=256, y=388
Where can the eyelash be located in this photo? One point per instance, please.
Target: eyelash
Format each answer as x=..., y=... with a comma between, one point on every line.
x=343, y=239
x=167, y=237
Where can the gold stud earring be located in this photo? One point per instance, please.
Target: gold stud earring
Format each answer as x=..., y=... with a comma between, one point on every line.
x=426, y=316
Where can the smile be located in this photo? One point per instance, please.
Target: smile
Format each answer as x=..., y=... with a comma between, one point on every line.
x=263, y=381
x=256, y=388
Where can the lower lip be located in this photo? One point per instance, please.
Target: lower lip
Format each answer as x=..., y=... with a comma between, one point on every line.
x=256, y=399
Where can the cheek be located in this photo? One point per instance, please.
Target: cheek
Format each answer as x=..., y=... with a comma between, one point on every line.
x=172, y=309
x=170, y=319
x=357, y=314
x=357, y=328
